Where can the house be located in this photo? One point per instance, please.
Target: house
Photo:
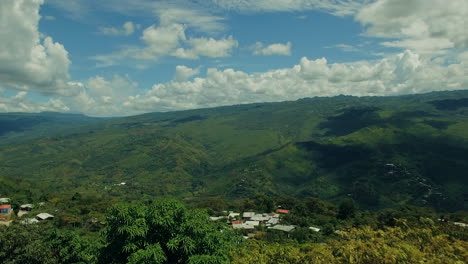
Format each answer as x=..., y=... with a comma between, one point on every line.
x=233, y=215
x=216, y=218
x=6, y=213
x=44, y=216
x=5, y=208
x=248, y=215
x=315, y=229
x=284, y=228
x=253, y=223
x=238, y=222
x=4, y=200
x=26, y=207
x=272, y=221
x=243, y=226
x=260, y=218
x=283, y=211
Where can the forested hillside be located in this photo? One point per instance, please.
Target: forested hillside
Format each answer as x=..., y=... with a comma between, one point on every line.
x=360, y=180
x=380, y=151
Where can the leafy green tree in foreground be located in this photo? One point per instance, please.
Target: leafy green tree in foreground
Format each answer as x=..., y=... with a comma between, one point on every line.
x=44, y=244
x=164, y=232
x=402, y=244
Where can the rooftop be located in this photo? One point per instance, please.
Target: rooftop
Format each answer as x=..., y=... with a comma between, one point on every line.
x=44, y=216
x=248, y=214
x=285, y=228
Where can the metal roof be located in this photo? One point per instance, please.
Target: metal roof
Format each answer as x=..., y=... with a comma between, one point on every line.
x=243, y=226
x=44, y=216
x=253, y=223
x=284, y=228
x=315, y=229
x=248, y=214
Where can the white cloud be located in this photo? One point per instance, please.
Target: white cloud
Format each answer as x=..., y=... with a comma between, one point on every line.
x=169, y=40
x=404, y=73
x=127, y=29
x=183, y=73
x=345, y=47
x=424, y=26
x=207, y=47
x=273, y=49
x=27, y=61
x=103, y=97
x=161, y=40
x=193, y=17
x=199, y=17
x=336, y=7
x=115, y=88
x=20, y=103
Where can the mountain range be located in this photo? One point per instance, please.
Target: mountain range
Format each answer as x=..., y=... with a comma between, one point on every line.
x=380, y=151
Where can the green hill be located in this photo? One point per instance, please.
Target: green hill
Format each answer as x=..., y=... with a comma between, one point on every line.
x=381, y=151
x=16, y=127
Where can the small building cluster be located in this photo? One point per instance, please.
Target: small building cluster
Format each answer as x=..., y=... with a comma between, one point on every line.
x=7, y=213
x=250, y=221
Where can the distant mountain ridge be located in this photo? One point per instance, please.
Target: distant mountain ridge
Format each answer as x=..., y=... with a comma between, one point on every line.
x=34, y=125
x=381, y=151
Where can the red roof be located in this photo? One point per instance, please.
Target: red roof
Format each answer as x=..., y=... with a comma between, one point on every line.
x=236, y=222
x=283, y=211
x=5, y=206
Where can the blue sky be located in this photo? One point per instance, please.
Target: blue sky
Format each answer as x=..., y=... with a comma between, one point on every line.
x=115, y=57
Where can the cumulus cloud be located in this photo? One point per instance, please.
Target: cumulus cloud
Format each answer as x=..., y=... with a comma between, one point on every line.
x=426, y=26
x=102, y=96
x=199, y=17
x=404, y=73
x=161, y=40
x=20, y=103
x=127, y=29
x=158, y=42
x=207, y=47
x=27, y=61
x=170, y=40
x=183, y=73
x=194, y=17
x=273, y=49
x=113, y=89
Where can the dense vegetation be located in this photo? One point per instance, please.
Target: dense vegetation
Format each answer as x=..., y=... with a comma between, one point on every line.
x=329, y=148
x=381, y=169
x=166, y=231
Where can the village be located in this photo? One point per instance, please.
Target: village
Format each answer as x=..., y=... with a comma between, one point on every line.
x=248, y=222
x=251, y=222
x=7, y=214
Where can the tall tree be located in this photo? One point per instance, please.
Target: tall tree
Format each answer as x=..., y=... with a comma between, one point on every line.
x=164, y=232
